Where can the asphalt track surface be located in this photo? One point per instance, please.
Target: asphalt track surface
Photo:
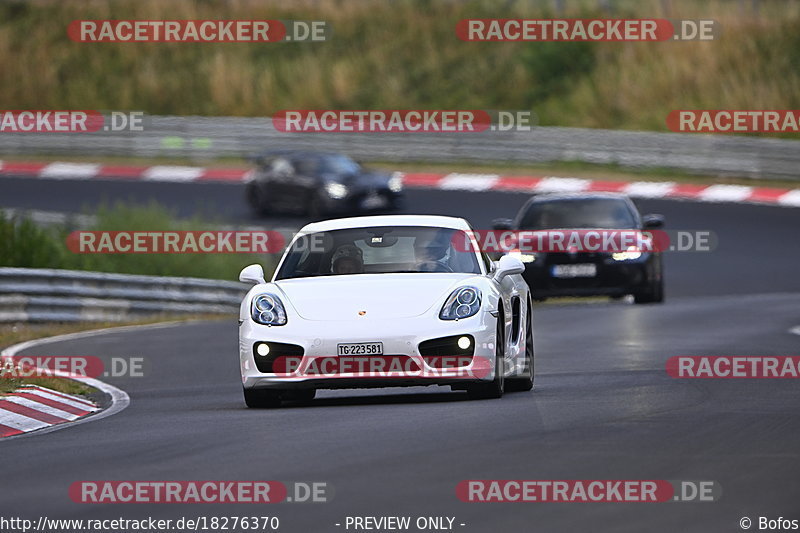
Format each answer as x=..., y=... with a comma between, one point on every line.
x=603, y=406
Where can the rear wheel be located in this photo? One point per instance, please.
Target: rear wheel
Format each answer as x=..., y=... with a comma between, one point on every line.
x=524, y=382
x=495, y=388
x=262, y=398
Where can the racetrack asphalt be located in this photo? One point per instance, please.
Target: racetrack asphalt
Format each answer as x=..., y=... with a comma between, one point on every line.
x=603, y=406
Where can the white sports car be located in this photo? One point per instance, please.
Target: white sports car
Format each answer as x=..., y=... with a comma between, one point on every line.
x=402, y=300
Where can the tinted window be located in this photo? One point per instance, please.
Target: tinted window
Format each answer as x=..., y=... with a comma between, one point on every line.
x=608, y=213
x=339, y=164
x=379, y=250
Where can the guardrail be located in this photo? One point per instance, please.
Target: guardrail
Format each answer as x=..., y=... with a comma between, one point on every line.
x=47, y=295
x=200, y=138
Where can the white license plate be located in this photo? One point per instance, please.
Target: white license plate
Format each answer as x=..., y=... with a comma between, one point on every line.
x=360, y=348
x=588, y=270
x=373, y=201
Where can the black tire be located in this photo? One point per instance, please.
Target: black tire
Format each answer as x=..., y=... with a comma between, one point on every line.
x=256, y=199
x=524, y=382
x=261, y=398
x=315, y=208
x=653, y=295
x=495, y=388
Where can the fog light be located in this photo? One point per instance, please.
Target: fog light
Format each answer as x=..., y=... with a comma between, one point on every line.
x=464, y=342
x=262, y=349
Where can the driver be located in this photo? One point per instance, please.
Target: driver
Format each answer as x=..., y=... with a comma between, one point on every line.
x=432, y=253
x=347, y=259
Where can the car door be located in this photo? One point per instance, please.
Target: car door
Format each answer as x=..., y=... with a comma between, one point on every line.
x=281, y=176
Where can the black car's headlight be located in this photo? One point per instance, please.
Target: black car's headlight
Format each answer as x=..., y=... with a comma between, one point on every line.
x=462, y=303
x=268, y=309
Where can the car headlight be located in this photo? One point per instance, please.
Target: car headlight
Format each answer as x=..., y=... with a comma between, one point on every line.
x=632, y=253
x=396, y=183
x=462, y=303
x=268, y=309
x=336, y=190
x=524, y=257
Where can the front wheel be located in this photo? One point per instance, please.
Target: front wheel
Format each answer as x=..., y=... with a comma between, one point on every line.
x=524, y=382
x=495, y=388
x=654, y=294
x=256, y=199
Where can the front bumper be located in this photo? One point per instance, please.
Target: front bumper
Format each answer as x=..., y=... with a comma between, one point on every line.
x=400, y=337
x=364, y=200
x=613, y=278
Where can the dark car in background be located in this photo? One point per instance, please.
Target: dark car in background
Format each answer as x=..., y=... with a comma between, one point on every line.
x=589, y=273
x=319, y=184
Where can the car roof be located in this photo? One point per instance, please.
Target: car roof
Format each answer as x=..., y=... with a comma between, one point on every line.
x=435, y=221
x=578, y=196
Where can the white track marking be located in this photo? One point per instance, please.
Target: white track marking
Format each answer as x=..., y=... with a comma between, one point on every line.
x=791, y=198
x=38, y=406
x=20, y=422
x=649, y=189
x=553, y=184
x=70, y=171
x=71, y=401
x=468, y=182
x=725, y=193
x=173, y=173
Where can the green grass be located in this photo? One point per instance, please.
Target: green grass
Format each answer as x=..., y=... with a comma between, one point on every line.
x=403, y=54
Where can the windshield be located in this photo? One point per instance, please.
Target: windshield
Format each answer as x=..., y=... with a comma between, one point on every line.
x=375, y=250
x=339, y=164
x=607, y=213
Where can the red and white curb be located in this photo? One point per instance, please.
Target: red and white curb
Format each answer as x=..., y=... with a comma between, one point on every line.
x=31, y=408
x=40, y=410
x=452, y=182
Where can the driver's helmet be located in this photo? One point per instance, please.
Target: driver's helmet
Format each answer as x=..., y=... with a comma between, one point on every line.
x=431, y=247
x=347, y=259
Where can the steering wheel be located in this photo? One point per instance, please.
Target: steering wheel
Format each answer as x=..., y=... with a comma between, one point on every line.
x=424, y=266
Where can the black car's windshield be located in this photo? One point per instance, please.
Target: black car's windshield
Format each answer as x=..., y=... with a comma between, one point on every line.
x=338, y=164
x=607, y=213
x=383, y=249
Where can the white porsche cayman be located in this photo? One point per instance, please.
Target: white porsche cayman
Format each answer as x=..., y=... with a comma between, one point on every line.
x=381, y=301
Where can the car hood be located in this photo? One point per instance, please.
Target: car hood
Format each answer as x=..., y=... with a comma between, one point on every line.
x=365, y=179
x=382, y=296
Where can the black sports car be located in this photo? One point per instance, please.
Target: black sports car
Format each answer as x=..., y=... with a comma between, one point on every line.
x=583, y=272
x=319, y=184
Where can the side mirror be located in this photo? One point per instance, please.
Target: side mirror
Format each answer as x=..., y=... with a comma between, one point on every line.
x=653, y=221
x=502, y=224
x=252, y=274
x=508, y=265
